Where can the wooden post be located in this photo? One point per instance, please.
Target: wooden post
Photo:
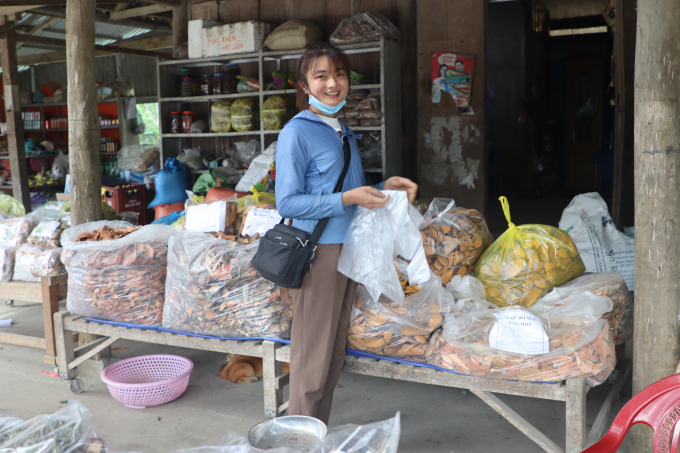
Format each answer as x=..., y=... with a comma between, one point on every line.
x=15, y=125
x=657, y=199
x=623, y=197
x=83, y=119
x=180, y=27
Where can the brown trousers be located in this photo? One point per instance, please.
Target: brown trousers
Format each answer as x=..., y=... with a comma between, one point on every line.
x=322, y=308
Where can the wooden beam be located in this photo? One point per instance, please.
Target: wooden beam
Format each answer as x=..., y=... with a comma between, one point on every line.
x=657, y=200
x=7, y=10
x=38, y=3
x=180, y=27
x=161, y=42
x=116, y=49
x=105, y=19
x=142, y=11
x=15, y=124
x=38, y=28
x=167, y=2
x=83, y=137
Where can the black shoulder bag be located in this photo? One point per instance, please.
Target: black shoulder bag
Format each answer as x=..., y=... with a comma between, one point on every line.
x=286, y=253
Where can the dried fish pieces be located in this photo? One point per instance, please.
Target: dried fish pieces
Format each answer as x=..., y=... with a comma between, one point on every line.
x=117, y=272
x=31, y=263
x=213, y=290
x=15, y=231
x=453, y=240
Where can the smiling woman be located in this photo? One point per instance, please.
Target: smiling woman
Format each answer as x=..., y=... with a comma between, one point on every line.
x=310, y=159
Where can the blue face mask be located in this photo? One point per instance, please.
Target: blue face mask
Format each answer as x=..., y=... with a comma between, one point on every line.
x=325, y=108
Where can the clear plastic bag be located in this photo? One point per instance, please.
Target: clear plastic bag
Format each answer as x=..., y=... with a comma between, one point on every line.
x=15, y=231
x=352, y=123
x=580, y=343
x=47, y=234
x=364, y=27
x=277, y=110
x=375, y=237
x=244, y=114
x=49, y=211
x=31, y=263
x=258, y=169
x=67, y=430
x=608, y=284
x=370, y=103
x=370, y=123
x=356, y=95
x=247, y=151
x=351, y=114
x=454, y=239
x=60, y=167
x=11, y=206
x=137, y=158
x=7, y=256
x=213, y=290
x=220, y=116
x=398, y=329
x=369, y=114
x=119, y=280
x=466, y=287
x=526, y=262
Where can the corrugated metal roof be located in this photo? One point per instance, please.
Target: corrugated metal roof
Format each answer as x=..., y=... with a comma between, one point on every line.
x=114, y=30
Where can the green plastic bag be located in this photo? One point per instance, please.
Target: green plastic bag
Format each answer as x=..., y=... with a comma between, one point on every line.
x=11, y=206
x=207, y=181
x=277, y=110
x=220, y=116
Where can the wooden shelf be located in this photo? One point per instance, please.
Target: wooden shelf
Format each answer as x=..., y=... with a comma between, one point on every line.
x=62, y=104
x=213, y=97
x=211, y=134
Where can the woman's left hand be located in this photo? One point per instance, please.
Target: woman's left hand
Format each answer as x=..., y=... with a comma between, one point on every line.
x=405, y=184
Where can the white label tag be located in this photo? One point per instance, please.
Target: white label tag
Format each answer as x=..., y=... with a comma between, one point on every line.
x=260, y=221
x=46, y=229
x=206, y=218
x=519, y=331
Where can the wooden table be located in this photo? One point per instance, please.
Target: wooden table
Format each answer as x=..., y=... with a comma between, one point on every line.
x=572, y=392
x=48, y=292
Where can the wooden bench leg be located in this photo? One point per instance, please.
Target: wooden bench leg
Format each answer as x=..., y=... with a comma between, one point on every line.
x=576, y=415
x=50, y=305
x=64, y=346
x=271, y=370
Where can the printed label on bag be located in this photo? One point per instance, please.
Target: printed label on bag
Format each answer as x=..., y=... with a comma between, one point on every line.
x=206, y=218
x=46, y=229
x=519, y=331
x=260, y=221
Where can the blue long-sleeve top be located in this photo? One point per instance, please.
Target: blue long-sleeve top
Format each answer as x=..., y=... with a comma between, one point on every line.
x=309, y=161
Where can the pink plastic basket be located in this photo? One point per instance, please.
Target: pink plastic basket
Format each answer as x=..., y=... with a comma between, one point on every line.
x=148, y=380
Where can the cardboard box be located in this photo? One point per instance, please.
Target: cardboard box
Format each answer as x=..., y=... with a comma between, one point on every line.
x=63, y=196
x=208, y=40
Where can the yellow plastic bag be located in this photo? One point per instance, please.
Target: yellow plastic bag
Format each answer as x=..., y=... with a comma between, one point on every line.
x=245, y=114
x=220, y=116
x=11, y=206
x=276, y=111
x=256, y=198
x=526, y=262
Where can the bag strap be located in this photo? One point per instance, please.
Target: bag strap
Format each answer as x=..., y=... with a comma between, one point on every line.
x=321, y=226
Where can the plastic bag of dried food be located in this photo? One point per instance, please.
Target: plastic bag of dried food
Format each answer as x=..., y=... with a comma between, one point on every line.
x=67, y=430
x=47, y=234
x=11, y=206
x=370, y=123
x=15, y=231
x=375, y=237
x=351, y=123
x=454, y=239
x=356, y=95
x=244, y=114
x=364, y=27
x=119, y=279
x=609, y=284
x=277, y=110
x=220, y=115
x=213, y=290
x=60, y=167
x=31, y=263
x=7, y=255
x=370, y=114
x=544, y=343
x=398, y=329
x=137, y=158
x=370, y=103
x=526, y=262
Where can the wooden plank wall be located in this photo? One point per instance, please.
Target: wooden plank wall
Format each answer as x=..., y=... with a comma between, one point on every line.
x=328, y=14
x=451, y=146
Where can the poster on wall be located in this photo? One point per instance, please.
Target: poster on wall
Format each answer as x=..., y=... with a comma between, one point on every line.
x=452, y=74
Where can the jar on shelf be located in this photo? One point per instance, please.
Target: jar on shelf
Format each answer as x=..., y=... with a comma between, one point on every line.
x=229, y=80
x=175, y=123
x=205, y=84
x=216, y=84
x=189, y=87
x=187, y=120
x=182, y=74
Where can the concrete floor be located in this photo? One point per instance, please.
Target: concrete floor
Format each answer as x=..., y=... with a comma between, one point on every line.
x=434, y=419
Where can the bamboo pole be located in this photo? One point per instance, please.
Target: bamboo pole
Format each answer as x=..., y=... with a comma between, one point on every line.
x=657, y=199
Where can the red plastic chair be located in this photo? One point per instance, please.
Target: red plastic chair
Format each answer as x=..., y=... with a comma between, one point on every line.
x=657, y=406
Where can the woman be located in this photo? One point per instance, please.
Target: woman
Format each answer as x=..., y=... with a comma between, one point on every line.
x=309, y=161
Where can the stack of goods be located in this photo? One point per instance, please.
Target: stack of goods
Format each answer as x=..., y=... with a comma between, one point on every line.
x=245, y=114
x=526, y=262
x=399, y=329
x=453, y=239
x=364, y=27
x=15, y=230
x=32, y=262
x=277, y=110
x=7, y=255
x=609, y=284
x=220, y=116
x=117, y=271
x=213, y=290
x=362, y=109
x=66, y=431
x=547, y=343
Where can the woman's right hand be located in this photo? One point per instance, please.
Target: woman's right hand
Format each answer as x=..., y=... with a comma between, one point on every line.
x=365, y=196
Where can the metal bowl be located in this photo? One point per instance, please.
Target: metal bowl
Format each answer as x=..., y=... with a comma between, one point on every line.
x=292, y=431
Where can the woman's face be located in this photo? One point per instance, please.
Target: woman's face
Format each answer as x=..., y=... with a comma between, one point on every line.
x=442, y=71
x=329, y=85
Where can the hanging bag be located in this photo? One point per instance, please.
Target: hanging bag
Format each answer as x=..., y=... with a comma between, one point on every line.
x=286, y=253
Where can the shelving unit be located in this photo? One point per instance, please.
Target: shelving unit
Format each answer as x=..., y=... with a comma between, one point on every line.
x=389, y=86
